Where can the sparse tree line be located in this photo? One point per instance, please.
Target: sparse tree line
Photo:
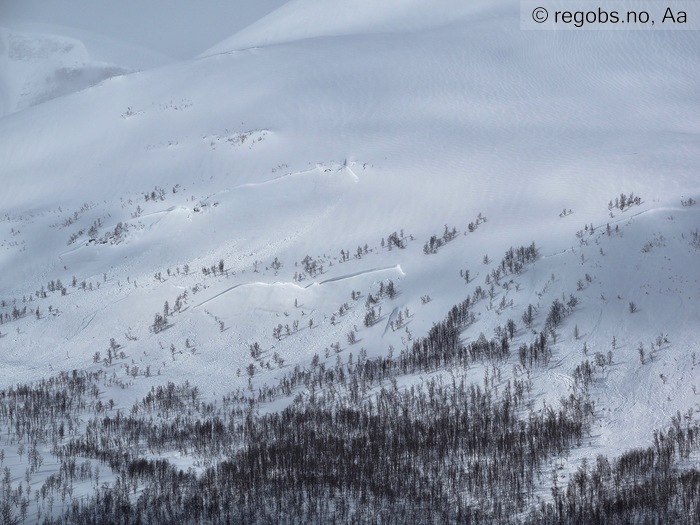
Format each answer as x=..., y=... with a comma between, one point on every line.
x=116, y=235
x=695, y=239
x=74, y=216
x=436, y=242
x=113, y=236
x=160, y=321
x=515, y=259
x=433, y=244
x=220, y=267
x=53, y=286
x=373, y=309
x=394, y=240
x=624, y=201
x=310, y=268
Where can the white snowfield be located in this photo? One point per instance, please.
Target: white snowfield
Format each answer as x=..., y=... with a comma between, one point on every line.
x=328, y=126
x=40, y=62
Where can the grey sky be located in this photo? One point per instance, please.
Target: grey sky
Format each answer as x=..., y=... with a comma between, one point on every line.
x=177, y=28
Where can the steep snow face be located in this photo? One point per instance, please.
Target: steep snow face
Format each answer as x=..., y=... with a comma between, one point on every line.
x=302, y=19
x=40, y=65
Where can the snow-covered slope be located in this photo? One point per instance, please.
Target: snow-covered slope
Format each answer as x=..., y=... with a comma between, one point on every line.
x=294, y=163
x=303, y=19
x=39, y=63
x=307, y=149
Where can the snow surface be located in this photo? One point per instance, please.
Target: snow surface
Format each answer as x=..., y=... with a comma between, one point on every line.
x=327, y=126
x=304, y=19
x=39, y=62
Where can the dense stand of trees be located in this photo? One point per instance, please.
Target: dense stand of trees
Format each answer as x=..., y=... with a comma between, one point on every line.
x=442, y=452
x=446, y=450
